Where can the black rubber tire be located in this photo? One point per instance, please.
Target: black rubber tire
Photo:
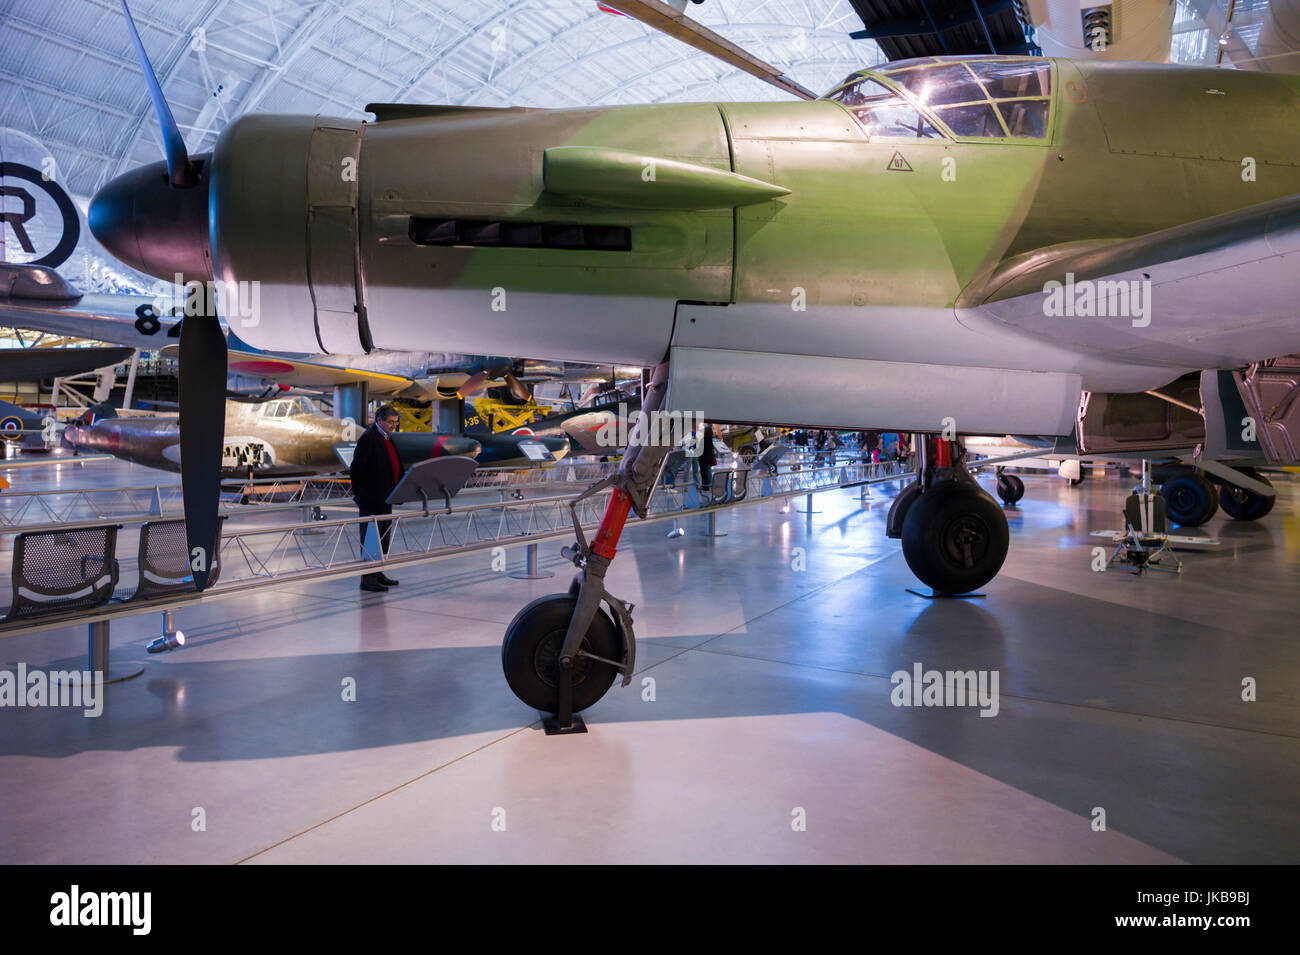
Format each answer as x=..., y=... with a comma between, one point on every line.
x=937, y=525
x=530, y=654
x=1190, y=500
x=1010, y=488
x=748, y=455
x=898, y=509
x=1083, y=474
x=1166, y=471
x=1243, y=505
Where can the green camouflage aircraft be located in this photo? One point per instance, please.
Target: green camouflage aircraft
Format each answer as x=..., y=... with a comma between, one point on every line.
x=944, y=246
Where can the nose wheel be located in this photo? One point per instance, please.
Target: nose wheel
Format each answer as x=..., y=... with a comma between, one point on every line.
x=561, y=653
x=530, y=655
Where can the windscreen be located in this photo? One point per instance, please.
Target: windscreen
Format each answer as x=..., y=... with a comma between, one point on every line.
x=981, y=98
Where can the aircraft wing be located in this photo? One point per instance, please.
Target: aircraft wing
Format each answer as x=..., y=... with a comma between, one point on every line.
x=1215, y=293
x=34, y=364
x=38, y=298
x=676, y=24
x=309, y=374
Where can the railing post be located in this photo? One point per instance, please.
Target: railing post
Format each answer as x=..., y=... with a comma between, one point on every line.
x=531, y=571
x=808, y=508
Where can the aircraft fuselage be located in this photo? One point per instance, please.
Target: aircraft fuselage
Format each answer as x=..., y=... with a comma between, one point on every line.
x=878, y=267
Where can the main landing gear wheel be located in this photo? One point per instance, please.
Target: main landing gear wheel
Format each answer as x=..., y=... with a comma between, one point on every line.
x=1010, y=488
x=530, y=654
x=1244, y=505
x=955, y=537
x=1190, y=500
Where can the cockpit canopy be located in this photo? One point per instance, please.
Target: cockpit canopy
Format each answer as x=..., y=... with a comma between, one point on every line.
x=990, y=97
x=286, y=408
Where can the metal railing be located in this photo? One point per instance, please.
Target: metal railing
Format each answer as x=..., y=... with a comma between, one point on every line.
x=259, y=554
x=22, y=509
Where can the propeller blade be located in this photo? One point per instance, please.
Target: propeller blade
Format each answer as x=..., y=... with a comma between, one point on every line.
x=473, y=383
x=179, y=168
x=202, y=427
x=517, y=388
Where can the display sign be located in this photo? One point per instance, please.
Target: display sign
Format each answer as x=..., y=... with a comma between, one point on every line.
x=535, y=451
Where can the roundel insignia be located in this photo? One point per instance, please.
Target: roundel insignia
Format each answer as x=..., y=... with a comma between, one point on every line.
x=15, y=219
x=10, y=425
x=1076, y=91
x=523, y=431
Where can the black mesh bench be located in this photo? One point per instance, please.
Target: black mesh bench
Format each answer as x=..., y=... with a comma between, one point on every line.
x=164, y=559
x=73, y=569
x=69, y=569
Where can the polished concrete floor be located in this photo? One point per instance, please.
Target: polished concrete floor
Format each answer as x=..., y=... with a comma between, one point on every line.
x=766, y=731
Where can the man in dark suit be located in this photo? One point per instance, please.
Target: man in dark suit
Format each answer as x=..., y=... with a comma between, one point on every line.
x=376, y=469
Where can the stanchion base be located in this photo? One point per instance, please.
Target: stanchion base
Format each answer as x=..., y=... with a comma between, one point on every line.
x=551, y=723
x=121, y=672
x=935, y=595
x=542, y=576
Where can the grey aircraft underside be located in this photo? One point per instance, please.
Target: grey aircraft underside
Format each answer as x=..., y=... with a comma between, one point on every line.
x=39, y=299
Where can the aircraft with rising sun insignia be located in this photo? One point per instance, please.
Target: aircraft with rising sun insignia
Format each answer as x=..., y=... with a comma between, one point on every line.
x=944, y=246
x=286, y=437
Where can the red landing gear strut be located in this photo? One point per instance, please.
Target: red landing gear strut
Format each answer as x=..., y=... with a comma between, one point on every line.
x=562, y=652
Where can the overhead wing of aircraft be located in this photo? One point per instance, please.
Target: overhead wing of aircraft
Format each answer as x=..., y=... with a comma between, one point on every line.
x=674, y=22
x=35, y=364
x=37, y=297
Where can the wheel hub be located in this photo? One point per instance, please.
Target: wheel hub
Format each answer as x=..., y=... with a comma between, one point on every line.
x=965, y=540
x=546, y=660
x=1183, y=499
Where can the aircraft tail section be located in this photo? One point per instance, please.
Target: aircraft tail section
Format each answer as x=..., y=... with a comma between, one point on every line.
x=15, y=420
x=472, y=422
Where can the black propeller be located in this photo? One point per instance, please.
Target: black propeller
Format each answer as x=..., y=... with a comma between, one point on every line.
x=473, y=383
x=179, y=168
x=489, y=368
x=202, y=361
x=518, y=389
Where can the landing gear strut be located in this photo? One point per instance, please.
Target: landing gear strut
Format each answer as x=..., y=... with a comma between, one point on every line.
x=954, y=535
x=562, y=652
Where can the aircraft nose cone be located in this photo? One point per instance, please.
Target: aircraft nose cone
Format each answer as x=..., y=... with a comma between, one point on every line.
x=151, y=225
